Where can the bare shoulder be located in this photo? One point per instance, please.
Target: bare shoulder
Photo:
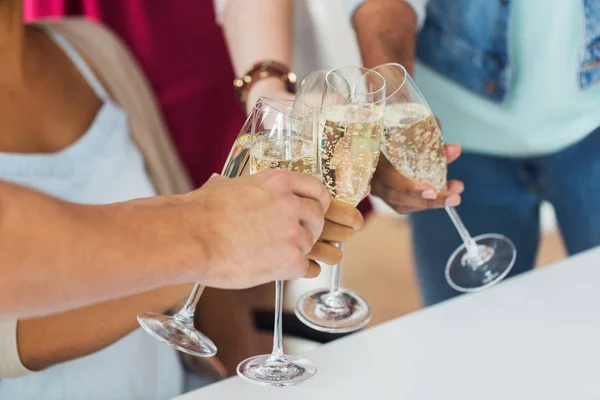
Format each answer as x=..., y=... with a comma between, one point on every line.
x=96, y=44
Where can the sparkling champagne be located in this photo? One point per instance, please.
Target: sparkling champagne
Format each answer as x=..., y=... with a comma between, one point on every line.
x=349, y=149
x=296, y=154
x=239, y=156
x=413, y=144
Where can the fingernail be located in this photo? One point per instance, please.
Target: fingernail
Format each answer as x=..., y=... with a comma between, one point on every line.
x=429, y=194
x=452, y=201
x=458, y=189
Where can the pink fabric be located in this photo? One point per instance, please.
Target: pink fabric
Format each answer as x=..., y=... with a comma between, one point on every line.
x=183, y=53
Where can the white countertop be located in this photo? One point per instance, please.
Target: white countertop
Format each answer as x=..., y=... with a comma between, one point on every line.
x=536, y=336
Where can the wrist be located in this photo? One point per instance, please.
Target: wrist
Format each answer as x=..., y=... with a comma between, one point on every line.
x=159, y=240
x=183, y=243
x=264, y=88
x=261, y=71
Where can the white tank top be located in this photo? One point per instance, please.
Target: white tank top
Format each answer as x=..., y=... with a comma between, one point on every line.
x=103, y=166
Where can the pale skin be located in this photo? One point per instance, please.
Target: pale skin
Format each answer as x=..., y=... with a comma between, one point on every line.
x=386, y=32
x=261, y=32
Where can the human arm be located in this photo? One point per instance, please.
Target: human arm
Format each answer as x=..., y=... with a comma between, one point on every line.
x=261, y=32
x=57, y=255
x=46, y=341
x=386, y=32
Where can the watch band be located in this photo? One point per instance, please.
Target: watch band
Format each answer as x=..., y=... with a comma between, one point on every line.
x=262, y=70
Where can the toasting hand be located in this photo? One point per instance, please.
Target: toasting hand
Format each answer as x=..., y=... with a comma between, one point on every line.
x=341, y=221
x=256, y=229
x=406, y=196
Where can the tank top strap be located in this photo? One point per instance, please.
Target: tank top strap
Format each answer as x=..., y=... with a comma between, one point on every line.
x=80, y=63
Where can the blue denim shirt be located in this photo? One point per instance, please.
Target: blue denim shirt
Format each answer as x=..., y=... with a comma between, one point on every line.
x=467, y=41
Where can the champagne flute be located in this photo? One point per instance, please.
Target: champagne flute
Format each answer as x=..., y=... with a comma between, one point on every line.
x=312, y=87
x=178, y=330
x=351, y=130
x=283, y=138
x=414, y=146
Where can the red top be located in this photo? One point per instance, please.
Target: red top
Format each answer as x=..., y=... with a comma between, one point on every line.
x=183, y=53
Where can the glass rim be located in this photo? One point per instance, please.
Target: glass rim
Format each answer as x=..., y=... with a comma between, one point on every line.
x=401, y=67
x=314, y=72
x=283, y=102
x=364, y=70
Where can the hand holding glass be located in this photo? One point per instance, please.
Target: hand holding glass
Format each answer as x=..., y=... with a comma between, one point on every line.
x=178, y=330
x=350, y=129
x=283, y=138
x=413, y=144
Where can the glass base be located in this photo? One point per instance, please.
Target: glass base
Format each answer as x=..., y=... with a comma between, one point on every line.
x=340, y=312
x=267, y=371
x=491, y=263
x=177, y=333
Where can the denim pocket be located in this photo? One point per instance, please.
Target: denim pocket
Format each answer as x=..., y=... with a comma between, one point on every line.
x=467, y=41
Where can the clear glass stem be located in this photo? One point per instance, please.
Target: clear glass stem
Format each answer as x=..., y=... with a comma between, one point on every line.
x=470, y=244
x=277, y=353
x=336, y=277
x=189, y=308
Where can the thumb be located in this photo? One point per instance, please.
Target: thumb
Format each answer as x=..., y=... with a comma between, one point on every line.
x=215, y=177
x=453, y=151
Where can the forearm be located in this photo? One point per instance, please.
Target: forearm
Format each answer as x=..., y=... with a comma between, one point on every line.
x=262, y=30
x=56, y=255
x=257, y=32
x=386, y=32
x=50, y=340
